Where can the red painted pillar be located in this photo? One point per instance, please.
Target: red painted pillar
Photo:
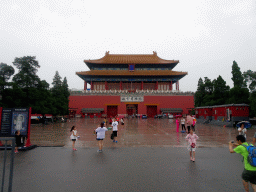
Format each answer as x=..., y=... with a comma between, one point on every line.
x=92, y=88
x=141, y=85
x=170, y=86
x=28, y=144
x=121, y=87
x=157, y=85
x=85, y=85
x=178, y=85
x=106, y=85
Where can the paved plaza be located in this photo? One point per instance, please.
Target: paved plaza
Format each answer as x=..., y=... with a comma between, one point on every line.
x=149, y=156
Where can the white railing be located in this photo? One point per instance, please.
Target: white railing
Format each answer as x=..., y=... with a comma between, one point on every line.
x=118, y=92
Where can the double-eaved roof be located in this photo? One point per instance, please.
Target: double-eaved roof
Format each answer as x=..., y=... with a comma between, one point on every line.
x=117, y=66
x=131, y=59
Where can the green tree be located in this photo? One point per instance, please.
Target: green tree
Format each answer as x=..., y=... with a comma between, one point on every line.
x=220, y=91
x=208, y=97
x=26, y=78
x=6, y=71
x=250, y=78
x=199, y=94
x=239, y=95
x=66, y=95
x=60, y=95
x=237, y=76
x=252, y=100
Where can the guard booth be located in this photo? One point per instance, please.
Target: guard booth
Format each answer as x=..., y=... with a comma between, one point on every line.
x=173, y=111
x=92, y=112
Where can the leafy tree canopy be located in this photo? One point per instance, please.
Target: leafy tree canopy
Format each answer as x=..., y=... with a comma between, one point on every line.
x=250, y=78
x=26, y=77
x=237, y=76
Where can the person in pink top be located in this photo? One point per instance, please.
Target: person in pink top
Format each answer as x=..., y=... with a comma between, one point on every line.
x=191, y=138
x=177, y=124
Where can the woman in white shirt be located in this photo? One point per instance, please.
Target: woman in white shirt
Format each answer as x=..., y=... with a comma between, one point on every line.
x=242, y=130
x=73, y=137
x=115, y=129
x=100, y=131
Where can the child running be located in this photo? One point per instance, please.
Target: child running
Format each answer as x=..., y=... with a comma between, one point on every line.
x=191, y=138
x=73, y=137
x=100, y=131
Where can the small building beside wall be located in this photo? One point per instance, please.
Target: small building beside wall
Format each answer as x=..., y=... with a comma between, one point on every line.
x=232, y=113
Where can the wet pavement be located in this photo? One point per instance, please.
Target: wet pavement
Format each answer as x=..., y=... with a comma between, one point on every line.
x=135, y=132
x=149, y=156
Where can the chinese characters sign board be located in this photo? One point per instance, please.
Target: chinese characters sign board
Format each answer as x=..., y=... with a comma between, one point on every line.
x=14, y=119
x=132, y=99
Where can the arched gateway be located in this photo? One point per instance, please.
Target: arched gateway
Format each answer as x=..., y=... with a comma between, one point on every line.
x=130, y=85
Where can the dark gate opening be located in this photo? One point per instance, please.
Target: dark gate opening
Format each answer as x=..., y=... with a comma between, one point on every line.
x=132, y=109
x=112, y=111
x=151, y=111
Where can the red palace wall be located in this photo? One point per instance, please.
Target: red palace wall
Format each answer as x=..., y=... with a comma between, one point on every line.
x=97, y=101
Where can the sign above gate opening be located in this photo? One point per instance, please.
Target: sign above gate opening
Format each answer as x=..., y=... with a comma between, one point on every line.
x=132, y=99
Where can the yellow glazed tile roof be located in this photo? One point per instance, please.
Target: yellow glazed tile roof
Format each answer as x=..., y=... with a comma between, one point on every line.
x=131, y=59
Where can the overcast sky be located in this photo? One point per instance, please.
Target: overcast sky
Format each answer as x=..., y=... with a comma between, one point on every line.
x=206, y=36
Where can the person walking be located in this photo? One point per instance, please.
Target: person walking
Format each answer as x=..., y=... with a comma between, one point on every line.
x=73, y=137
x=122, y=121
x=192, y=138
x=194, y=124
x=177, y=125
x=189, y=121
x=17, y=141
x=115, y=130
x=100, y=131
x=249, y=173
x=254, y=139
x=183, y=125
x=242, y=130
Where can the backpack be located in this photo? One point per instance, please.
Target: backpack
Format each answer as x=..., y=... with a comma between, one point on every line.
x=252, y=154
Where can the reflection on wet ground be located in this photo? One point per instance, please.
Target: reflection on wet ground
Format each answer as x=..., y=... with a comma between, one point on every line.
x=135, y=132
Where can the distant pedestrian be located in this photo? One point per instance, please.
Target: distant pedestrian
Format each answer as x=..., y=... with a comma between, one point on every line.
x=177, y=124
x=194, y=124
x=122, y=121
x=183, y=127
x=100, y=131
x=110, y=121
x=242, y=130
x=192, y=138
x=117, y=119
x=105, y=121
x=189, y=121
x=73, y=137
x=254, y=139
x=115, y=129
x=17, y=141
x=249, y=173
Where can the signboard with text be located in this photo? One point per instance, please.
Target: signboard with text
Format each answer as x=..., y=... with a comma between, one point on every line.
x=132, y=99
x=14, y=119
